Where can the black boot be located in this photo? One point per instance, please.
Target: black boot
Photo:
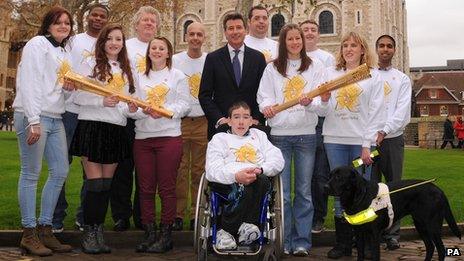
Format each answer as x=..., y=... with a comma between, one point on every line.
x=343, y=238
x=101, y=241
x=150, y=238
x=164, y=241
x=89, y=240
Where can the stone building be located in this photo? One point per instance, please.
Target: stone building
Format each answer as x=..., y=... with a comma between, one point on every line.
x=5, y=29
x=336, y=17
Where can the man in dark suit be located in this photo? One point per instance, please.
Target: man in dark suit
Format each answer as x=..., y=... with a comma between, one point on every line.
x=231, y=73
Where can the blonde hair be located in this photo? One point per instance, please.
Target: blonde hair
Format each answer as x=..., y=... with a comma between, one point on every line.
x=144, y=10
x=366, y=57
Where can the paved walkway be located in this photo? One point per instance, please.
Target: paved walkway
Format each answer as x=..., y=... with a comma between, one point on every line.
x=410, y=250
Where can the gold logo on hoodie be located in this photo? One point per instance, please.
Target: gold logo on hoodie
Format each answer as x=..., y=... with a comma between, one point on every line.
x=246, y=153
x=117, y=83
x=141, y=63
x=294, y=87
x=267, y=54
x=194, y=84
x=386, y=89
x=348, y=97
x=156, y=96
x=65, y=67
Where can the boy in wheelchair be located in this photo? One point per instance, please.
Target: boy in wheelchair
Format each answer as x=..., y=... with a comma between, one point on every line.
x=238, y=164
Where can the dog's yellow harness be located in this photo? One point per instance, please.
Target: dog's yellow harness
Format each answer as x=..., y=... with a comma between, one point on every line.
x=381, y=201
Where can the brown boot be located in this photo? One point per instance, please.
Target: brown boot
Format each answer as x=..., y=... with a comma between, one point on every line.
x=49, y=240
x=31, y=243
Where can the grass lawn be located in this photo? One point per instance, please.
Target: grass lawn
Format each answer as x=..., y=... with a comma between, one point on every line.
x=446, y=165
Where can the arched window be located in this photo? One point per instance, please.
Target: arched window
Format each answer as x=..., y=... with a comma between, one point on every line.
x=443, y=110
x=277, y=22
x=326, y=23
x=186, y=24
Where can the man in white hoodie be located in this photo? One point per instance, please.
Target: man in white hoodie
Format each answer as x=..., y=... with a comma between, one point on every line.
x=258, y=22
x=397, y=90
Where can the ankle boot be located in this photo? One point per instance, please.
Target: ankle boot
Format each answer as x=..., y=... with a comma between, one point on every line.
x=101, y=241
x=150, y=238
x=89, y=240
x=30, y=243
x=343, y=238
x=164, y=241
x=49, y=240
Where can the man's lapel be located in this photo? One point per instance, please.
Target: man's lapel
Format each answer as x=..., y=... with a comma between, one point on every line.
x=225, y=57
x=246, y=64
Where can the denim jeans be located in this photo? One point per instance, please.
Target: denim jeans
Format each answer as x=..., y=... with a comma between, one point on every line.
x=343, y=155
x=298, y=217
x=52, y=146
x=70, y=124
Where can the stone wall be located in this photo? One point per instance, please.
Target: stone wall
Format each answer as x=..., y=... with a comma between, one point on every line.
x=425, y=132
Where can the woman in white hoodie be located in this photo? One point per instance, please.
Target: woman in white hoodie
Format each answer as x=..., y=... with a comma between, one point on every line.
x=100, y=139
x=293, y=130
x=38, y=106
x=354, y=116
x=158, y=141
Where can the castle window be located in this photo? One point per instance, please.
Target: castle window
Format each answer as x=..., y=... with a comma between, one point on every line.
x=358, y=17
x=326, y=23
x=277, y=22
x=443, y=110
x=424, y=110
x=186, y=24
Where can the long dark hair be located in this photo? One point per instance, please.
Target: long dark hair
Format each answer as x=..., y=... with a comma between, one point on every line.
x=281, y=62
x=52, y=17
x=168, y=60
x=103, y=68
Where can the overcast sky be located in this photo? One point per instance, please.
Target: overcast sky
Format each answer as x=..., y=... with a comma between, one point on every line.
x=435, y=31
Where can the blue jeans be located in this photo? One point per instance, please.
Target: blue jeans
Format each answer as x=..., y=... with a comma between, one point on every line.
x=70, y=124
x=343, y=155
x=298, y=217
x=52, y=146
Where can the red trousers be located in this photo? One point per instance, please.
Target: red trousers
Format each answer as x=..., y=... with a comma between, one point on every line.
x=157, y=161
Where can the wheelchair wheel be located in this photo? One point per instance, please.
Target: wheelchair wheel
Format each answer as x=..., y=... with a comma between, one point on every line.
x=201, y=229
x=202, y=249
x=278, y=219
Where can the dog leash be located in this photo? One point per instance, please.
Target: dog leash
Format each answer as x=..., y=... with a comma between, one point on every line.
x=408, y=187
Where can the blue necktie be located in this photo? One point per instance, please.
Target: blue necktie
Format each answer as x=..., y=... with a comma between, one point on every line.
x=236, y=66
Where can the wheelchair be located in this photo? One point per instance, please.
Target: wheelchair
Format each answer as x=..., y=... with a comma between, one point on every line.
x=269, y=246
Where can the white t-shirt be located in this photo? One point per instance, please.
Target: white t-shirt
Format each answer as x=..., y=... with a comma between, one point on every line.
x=265, y=45
x=192, y=68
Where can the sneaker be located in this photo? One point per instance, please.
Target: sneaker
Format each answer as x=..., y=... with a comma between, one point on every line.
x=318, y=227
x=178, y=224
x=300, y=251
x=248, y=233
x=57, y=229
x=78, y=226
x=392, y=244
x=225, y=241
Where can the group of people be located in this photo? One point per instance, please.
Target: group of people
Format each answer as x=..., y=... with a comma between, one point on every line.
x=227, y=97
x=6, y=119
x=450, y=131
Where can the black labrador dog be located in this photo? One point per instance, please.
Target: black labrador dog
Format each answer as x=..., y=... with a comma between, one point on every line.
x=427, y=204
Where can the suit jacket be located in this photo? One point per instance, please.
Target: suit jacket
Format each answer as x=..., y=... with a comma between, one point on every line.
x=219, y=90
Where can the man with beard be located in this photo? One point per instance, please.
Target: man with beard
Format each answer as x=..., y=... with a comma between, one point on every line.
x=194, y=126
x=81, y=46
x=397, y=91
x=258, y=21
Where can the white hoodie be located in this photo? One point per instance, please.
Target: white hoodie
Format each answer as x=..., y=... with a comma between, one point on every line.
x=228, y=154
x=40, y=80
x=275, y=89
x=397, y=90
x=356, y=112
x=91, y=105
x=169, y=87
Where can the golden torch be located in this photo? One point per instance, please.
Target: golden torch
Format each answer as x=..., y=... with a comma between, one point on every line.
x=359, y=73
x=88, y=85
